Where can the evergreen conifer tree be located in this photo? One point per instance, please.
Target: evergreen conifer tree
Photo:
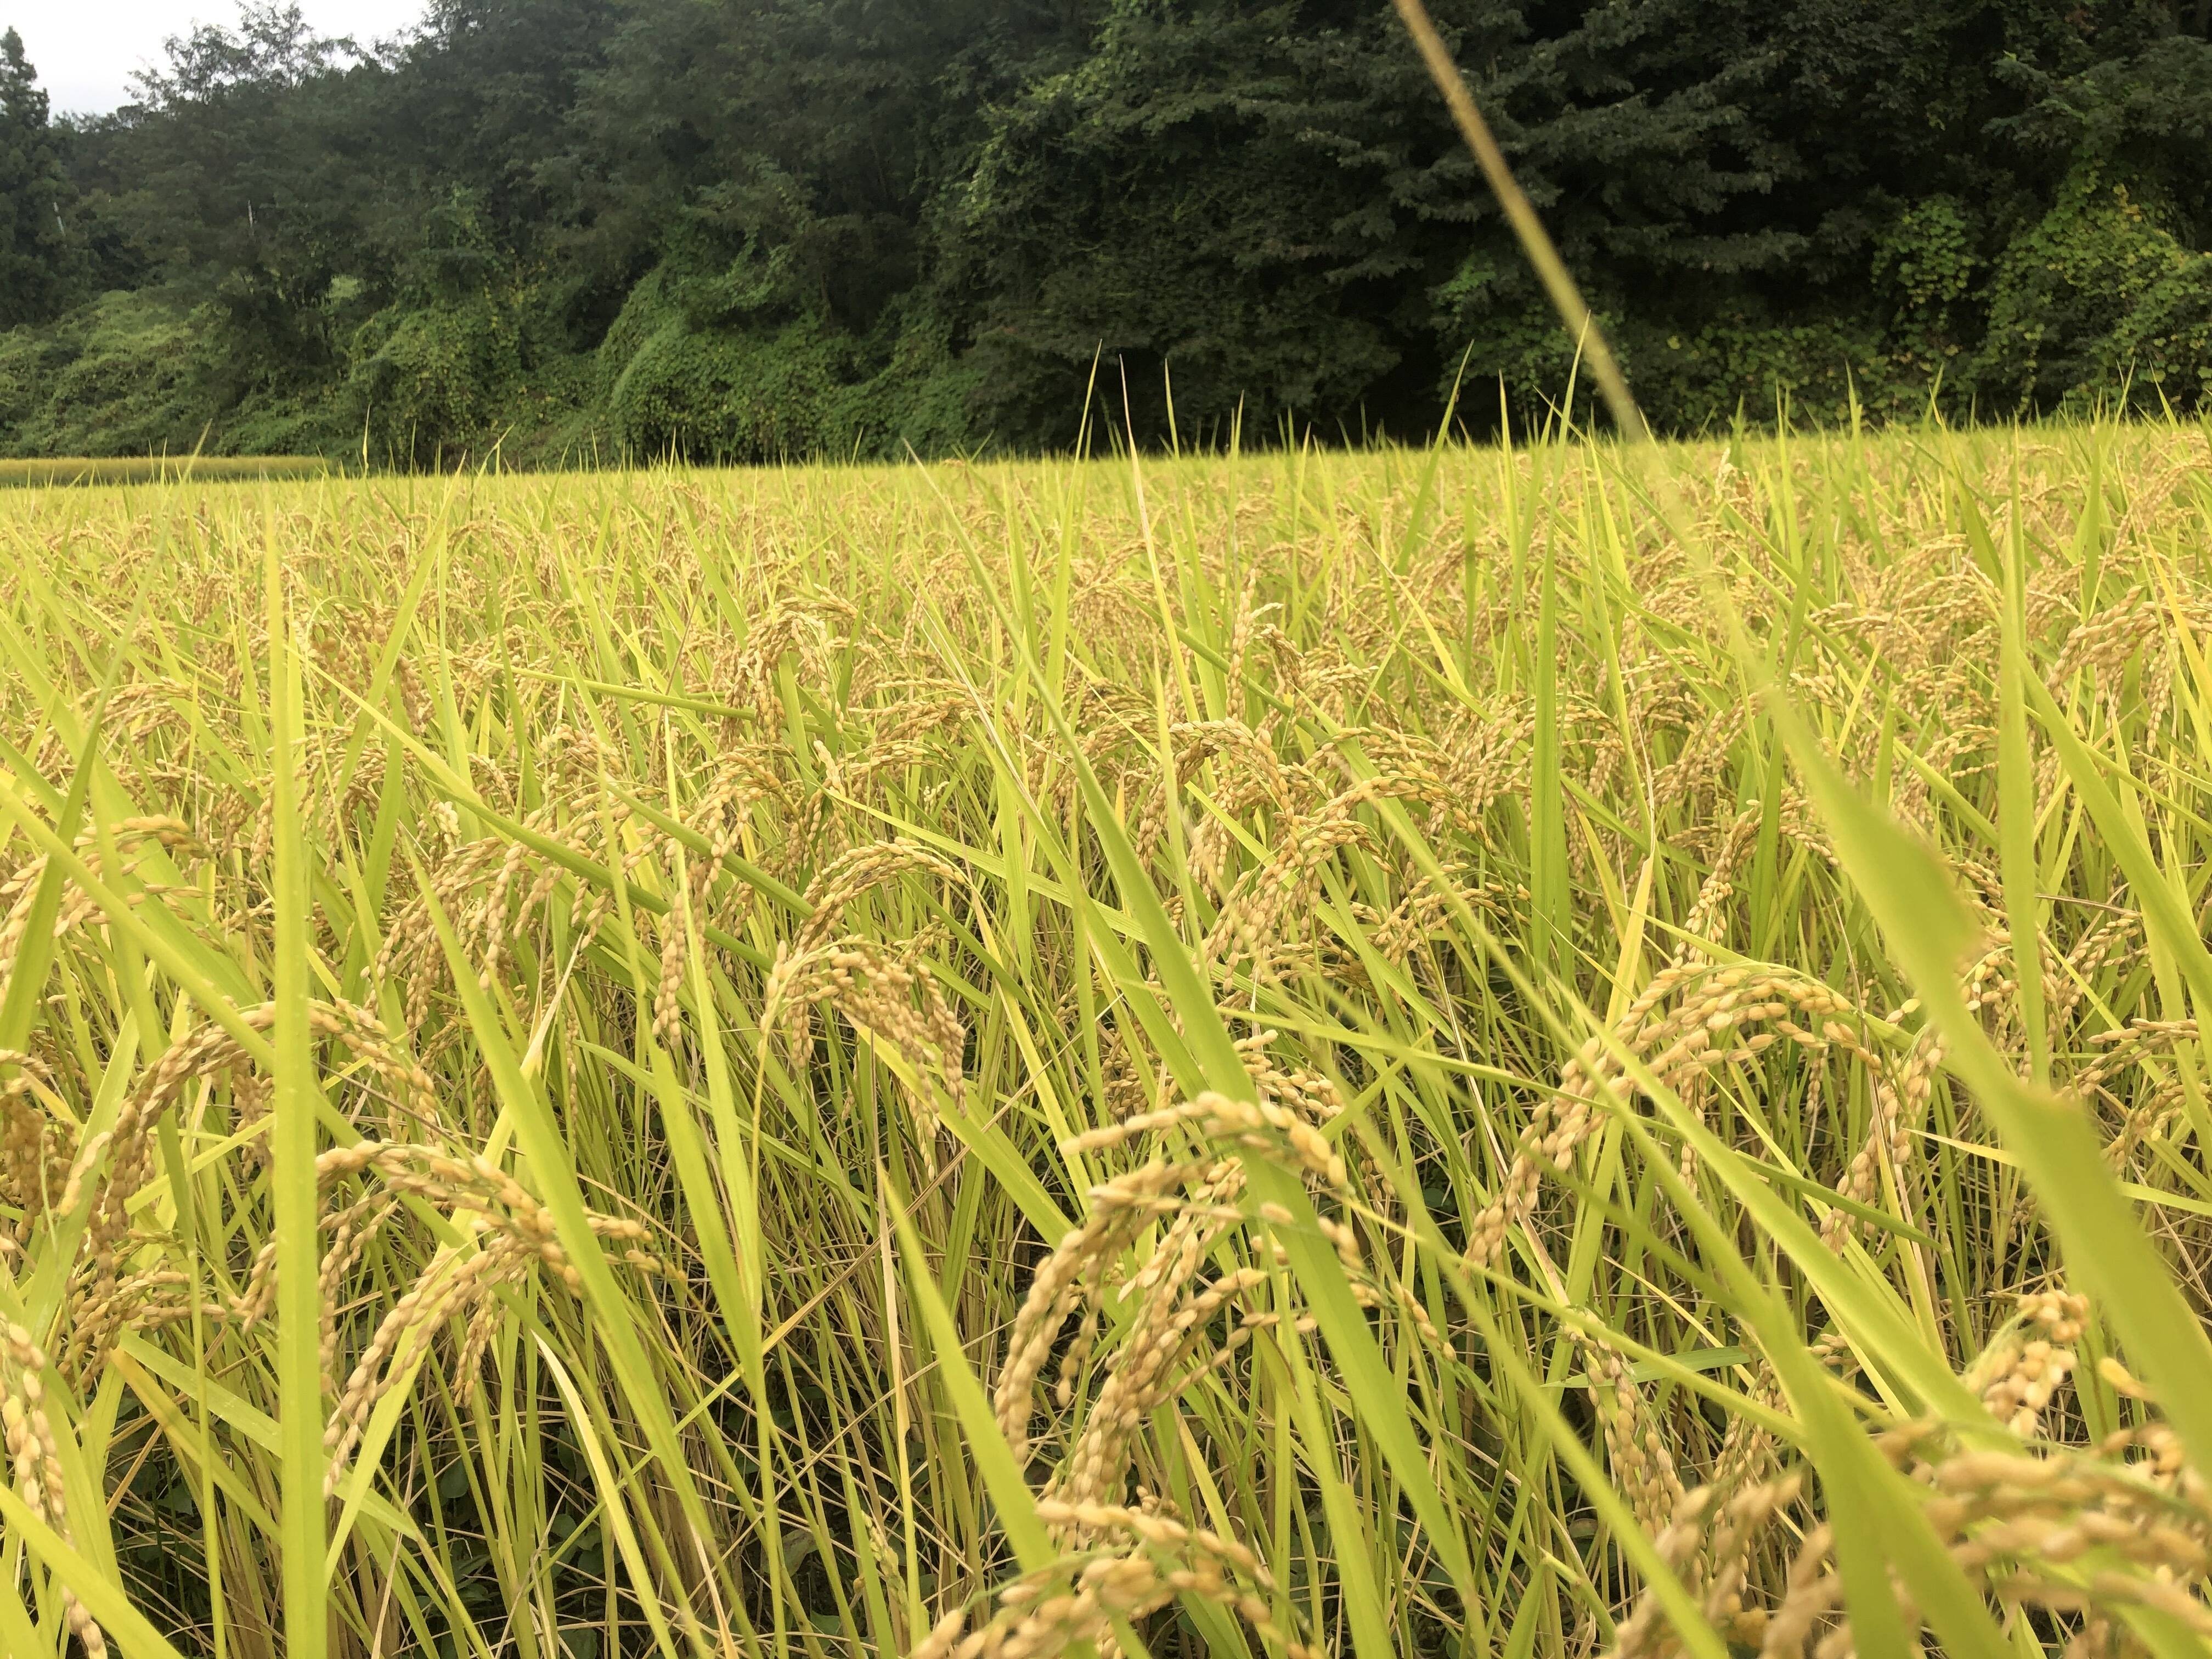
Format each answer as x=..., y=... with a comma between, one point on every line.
x=34, y=240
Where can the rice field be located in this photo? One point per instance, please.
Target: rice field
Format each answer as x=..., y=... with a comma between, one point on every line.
x=1534, y=1052
x=39, y=473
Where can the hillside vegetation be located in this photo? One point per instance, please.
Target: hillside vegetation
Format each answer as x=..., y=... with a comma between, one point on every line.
x=1280, y=1055
x=595, y=229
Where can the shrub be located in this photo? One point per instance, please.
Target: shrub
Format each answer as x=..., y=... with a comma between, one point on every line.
x=674, y=387
x=116, y=377
x=710, y=368
x=464, y=354
x=2100, y=292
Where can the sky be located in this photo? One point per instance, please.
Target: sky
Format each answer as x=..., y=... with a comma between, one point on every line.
x=84, y=50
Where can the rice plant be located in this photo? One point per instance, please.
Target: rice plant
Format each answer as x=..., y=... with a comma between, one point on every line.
x=1545, y=1050
x=156, y=469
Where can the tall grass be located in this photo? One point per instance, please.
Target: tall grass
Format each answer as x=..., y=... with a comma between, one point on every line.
x=1396, y=1054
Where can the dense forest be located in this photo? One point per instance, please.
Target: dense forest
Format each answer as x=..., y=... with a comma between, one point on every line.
x=743, y=229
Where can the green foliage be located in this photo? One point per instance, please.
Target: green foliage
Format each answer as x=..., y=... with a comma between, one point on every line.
x=677, y=384
x=1268, y=200
x=567, y=227
x=2099, y=294
x=36, y=263
x=739, y=364
x=924, y=397
x=436, y=381
x=117, y=377
x=1887, y=359
x=2141, y=114
x=1491, y=304
x=444, y=372
x=1763, y=370
x=1926, y=256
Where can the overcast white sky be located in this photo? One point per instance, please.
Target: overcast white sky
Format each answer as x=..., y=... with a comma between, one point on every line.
x=85, y=49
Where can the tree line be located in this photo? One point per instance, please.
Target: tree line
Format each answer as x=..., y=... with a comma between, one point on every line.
x=747, y=230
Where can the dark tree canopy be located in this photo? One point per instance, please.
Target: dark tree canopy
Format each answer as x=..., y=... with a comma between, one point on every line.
x=746, y=228
x=37, y=254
